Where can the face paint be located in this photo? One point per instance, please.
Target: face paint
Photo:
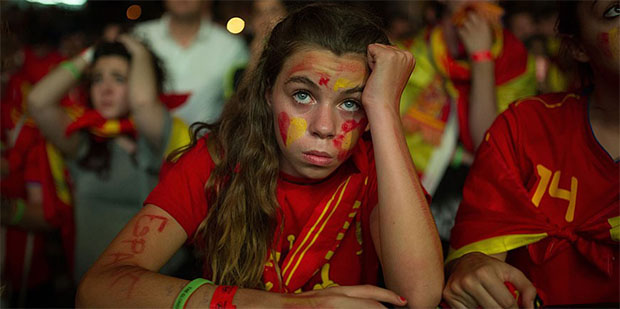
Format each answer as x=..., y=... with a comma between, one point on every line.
x=296, y=130
x=324, y=80
x=609, y=42
x=283, y=123
x=603, y=38
x=344, y=83
x=350, y=133
x=291, y=129
x=614, y=42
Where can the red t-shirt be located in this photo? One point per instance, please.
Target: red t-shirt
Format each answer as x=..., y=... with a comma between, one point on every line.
x=311, y=247
x=541, y=175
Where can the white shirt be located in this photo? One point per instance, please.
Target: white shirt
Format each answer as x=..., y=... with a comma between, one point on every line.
x=199, y=69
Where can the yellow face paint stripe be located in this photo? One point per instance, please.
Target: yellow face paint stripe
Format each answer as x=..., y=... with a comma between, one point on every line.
x=343, y=83
x=319, y=231
x=312, y=228
x=296, y=130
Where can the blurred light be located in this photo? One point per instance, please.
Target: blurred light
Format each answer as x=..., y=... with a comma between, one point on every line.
x=134, y=12
x=235, y=25
x=60, y=2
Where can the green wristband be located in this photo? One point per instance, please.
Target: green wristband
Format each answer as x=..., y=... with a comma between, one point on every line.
x=188, y=290
x=457, y=159
x=20, y=209
x=70, y=66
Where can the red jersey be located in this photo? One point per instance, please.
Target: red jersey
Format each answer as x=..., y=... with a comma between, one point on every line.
x=543, y=189
x=326, y=239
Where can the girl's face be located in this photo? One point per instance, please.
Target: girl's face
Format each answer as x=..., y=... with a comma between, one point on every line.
x=599, y=37
x=109, y=90
x=317, y=109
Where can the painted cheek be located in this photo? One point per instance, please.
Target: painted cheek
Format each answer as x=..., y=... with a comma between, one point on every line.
x=283, y=123
x=609, y=42
x=614, y=42
x=345, y=141
x=603, y=39
x=296, y=129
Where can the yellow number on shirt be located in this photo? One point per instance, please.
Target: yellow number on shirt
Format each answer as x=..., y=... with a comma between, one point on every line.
x=554, y=191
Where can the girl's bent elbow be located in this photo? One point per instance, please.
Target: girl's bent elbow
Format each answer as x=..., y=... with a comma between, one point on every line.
x=83, y=297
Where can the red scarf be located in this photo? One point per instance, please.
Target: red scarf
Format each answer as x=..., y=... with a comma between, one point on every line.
x=100, y=127
x=323, y=232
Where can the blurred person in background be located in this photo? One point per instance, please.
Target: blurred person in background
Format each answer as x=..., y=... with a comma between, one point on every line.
x=114, y=149
x=469, y=68
x=197, y=54
x=533, y=22
x=540, y=205
x=34, y=269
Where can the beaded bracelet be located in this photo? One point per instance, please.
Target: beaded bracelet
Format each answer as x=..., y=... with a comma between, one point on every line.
x=223, y=297
x=187, y=291
x=484, y=55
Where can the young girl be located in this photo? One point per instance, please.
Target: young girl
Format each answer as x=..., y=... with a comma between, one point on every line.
x=548, y=219
x=114, y=150
x=288, y=193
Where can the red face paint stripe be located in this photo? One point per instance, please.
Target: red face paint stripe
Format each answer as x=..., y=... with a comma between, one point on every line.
x=604, y=40
x=283, y=123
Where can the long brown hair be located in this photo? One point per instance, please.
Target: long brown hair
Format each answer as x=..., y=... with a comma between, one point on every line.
x=236, y=236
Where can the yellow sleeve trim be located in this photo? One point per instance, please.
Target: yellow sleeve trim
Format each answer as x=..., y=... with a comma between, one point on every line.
x=496, y=245
x=614, y=232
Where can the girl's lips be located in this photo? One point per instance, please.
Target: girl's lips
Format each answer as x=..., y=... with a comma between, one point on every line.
x=318, y=158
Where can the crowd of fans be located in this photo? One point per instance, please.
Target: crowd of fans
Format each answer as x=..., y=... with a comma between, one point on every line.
x=501, y=122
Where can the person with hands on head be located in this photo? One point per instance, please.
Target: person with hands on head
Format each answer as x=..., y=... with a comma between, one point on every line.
x=114, y=149
x=469, y=68
x=540, y=205
x=297, y=194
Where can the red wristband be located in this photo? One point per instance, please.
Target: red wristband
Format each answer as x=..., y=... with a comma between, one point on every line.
x=479, y=56
x=223, y=297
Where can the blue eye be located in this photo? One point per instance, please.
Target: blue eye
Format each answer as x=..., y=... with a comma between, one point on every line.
x=350, y=106
x=302, y=97
x=612, y=12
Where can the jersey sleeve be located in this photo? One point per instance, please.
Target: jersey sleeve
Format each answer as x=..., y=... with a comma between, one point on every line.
x=181, y=190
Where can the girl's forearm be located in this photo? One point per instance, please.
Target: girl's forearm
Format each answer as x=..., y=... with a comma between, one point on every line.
x=482, y=99
x=127, y=286
x=146, y=109
x=133, y=286
x=53, y=86
x=410, y=247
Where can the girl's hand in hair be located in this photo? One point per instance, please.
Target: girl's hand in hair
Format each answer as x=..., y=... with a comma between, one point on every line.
x=390, y=70
x=358, y=296
x=134, y=47
x=476, y=34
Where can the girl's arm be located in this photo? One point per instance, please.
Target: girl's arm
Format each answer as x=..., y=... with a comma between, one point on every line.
x=126, y=275
x=147, y=111
x=402, y=226
x=44, y=104
x=477, y=37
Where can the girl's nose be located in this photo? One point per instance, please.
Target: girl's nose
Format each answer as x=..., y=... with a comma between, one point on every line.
x=323, y=123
